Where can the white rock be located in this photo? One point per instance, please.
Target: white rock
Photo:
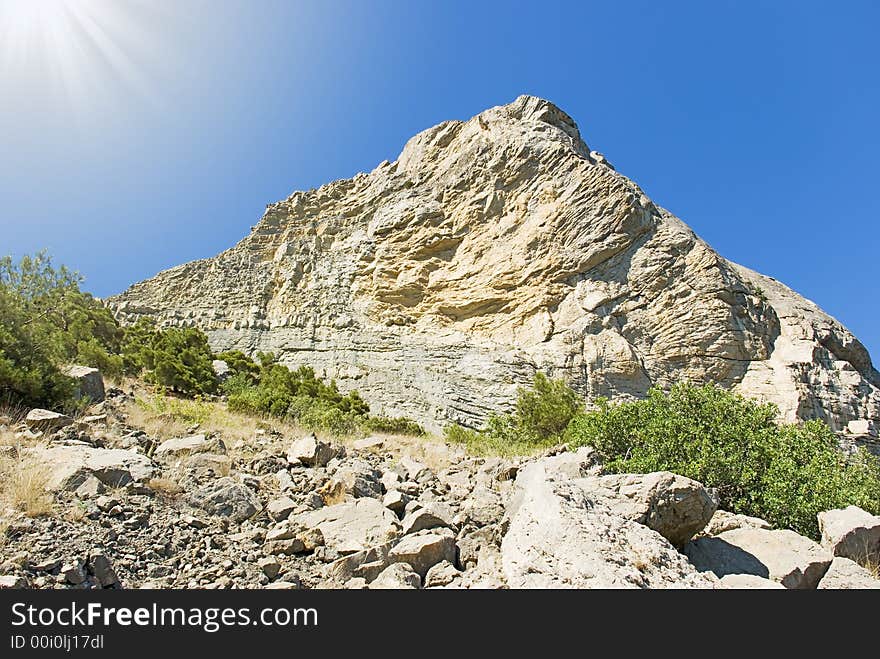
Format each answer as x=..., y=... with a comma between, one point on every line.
x=420, y=281
x=424, y=550
x=311, y=452
x=397, y=576
x=674, y=506
x=46, y=420
x=849, y=575
x=190, y=444
x=852, y=533
x=559, y=538
x=749, y=581
x=90, y=383
x=68, y=467
x=780, y=555
x=353, y=526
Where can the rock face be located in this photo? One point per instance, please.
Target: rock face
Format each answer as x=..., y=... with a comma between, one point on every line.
x=495, y=247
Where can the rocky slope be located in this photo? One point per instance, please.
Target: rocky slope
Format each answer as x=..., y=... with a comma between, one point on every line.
x=274, y=511
x=496, y=247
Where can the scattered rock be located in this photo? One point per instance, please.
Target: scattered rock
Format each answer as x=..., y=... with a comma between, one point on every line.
x=723, y=521
x=397, y=576
x=559, y=538
x=395, y=501
x=12, y=582
x=101, y=568
x=353, y=526
x=70, y=466
x=280, y=509
x=270, y=566
x=430, y=517
x=225, y=498
x=310, y=451
x=442, y=574
x=424, y=550
x=190, y=444
x=749, y=581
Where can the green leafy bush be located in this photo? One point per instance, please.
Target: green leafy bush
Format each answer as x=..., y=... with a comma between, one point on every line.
x=393, y=425
x=46, y=321
x=785, y=474
x=540, y=417
x=176, y=358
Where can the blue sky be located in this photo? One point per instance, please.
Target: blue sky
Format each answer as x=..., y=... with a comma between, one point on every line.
x=145, y=134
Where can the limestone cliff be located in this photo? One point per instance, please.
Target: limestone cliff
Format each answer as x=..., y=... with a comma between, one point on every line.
x=495, y=247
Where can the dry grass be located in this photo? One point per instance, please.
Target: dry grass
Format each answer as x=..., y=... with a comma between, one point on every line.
x=165, y=486
x=4, y=530
x=23, y=486
x=76, y=513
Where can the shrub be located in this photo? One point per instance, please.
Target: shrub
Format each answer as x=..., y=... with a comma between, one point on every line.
x=46, y=322
x=176, y=358
x=546, y=409
x=393, y=425
x=540, y=417
x=785, y=474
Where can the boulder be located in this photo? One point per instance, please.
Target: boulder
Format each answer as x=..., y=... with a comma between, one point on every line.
x=424, y=550
x=430, y=516
x=397, y=576
x=353, y=526
x=90, y=383
x=846, y=574
x=226, y=498
x=780, y=555
x=748, y=582
x=395, y=501
x=674, y=506
x=280, y=508
x=190, y=444
x=12, y=582
x=359, y=479
x=851, y=533
x=723, y=521
x=365, y=564
x=310, y=451
x=46, y=420
x=560, y=538
x=69, y=467
x=442, y=574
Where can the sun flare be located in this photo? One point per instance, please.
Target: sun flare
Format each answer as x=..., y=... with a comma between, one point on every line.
x=78, y=48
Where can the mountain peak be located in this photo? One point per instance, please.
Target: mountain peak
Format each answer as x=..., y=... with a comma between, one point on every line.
x=495, y=247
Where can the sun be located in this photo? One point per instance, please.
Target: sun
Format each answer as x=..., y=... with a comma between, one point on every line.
x=75, y=49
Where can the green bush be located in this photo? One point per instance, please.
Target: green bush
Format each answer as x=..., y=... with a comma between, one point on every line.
x=393, y=425
x=46, y=321
x=540, y=417
x=176, y=358
x=785, y=474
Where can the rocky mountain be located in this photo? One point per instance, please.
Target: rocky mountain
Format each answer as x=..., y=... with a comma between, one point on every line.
x=496, y=247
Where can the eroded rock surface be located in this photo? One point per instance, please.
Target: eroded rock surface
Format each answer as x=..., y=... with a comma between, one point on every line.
x=495, y=247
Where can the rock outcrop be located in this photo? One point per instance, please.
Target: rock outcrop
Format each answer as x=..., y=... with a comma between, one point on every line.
x=493, y=248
